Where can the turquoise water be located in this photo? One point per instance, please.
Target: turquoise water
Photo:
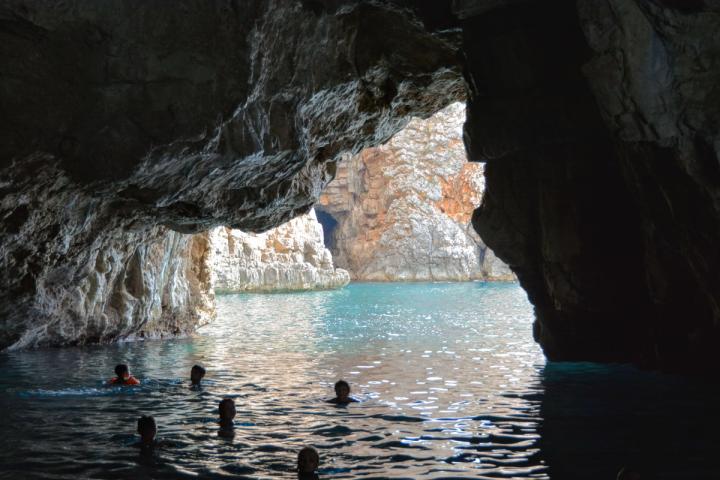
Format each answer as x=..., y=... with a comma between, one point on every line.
x=449, y=382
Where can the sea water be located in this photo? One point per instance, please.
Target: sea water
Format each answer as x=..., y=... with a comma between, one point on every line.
x=449, y=383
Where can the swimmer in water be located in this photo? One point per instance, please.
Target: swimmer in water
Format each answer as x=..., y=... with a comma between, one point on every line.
x=227, y=412
x=147, y=429
x=123, y=376
x=197, y=373
x=342, y=394
x=308, y=463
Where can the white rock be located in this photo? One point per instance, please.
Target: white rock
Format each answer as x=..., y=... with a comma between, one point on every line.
x=290, y=257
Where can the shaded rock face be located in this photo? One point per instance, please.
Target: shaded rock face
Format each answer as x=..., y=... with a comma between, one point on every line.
x=290, y=257
x=122, y=121
x=403, y=209
x=598, y=121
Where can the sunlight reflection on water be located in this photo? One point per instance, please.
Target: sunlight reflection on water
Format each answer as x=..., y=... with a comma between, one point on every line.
x=441, y=371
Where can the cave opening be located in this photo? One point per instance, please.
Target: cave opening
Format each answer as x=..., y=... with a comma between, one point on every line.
x=397, y=212
x=128, y=131
x=329, y=224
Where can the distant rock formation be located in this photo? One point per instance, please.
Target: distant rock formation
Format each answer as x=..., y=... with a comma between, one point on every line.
x=402, y=211
x=290, y=257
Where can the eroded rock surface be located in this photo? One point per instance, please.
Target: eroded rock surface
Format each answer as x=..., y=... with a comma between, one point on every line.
x=598, y=121
x=122, y=121
x=403, y=208
x=289, y=257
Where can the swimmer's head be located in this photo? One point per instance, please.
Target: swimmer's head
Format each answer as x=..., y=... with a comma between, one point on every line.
x=226, y=409
x=196, y=374
x=122, y=371
x=147, y=429
x=342, y=390
x=308, y=460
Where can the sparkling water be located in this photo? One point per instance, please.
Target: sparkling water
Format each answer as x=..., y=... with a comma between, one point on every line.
x=449, y=381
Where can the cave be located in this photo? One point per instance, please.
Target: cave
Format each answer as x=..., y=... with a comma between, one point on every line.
x=114, y=146
x=128, y=127
x=329, y=224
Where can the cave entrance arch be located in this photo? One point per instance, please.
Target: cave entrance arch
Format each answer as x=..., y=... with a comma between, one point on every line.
x=402, y=211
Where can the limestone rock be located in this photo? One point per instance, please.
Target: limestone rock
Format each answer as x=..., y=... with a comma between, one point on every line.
x=599, y=125
x=289, y=257
x=598, y=121
x=403, y=209
x=123, y=122
x=136, y=283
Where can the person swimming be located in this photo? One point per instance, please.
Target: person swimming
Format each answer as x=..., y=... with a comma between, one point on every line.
x=197, y=373
x=342, y=393
x=123, y=376
x=227, y=412
x=147, y=429
x=308, y=463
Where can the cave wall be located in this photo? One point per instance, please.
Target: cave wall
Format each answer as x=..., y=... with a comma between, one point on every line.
x=403, y=208
x=599, y=126
x=124, y=122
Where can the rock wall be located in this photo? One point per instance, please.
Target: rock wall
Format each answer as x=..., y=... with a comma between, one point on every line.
x=571, y=103
x=403, y=209
x=290, y=257
x=598, y=121
x=137, y=282
x=125, y=121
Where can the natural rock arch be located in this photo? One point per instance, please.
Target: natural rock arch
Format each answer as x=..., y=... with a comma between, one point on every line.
x=122, y=119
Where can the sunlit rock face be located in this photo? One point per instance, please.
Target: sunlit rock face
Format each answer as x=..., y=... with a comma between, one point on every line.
x=289, y=257
x=124, y=122
x=92, y=287
x=403, y=209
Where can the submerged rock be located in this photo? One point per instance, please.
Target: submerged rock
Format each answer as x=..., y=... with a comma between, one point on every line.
x=402, y=211
x=290, y=257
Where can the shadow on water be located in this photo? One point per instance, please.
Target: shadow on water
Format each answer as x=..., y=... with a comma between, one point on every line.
x=450, y=385
x=599, y=418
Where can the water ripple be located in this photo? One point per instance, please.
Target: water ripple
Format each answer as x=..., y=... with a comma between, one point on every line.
x=421, y=360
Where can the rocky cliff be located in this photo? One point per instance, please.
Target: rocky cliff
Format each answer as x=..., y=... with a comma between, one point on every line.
x=401, y=211
x=125, y=122
x=290, y=257
x=598, y=121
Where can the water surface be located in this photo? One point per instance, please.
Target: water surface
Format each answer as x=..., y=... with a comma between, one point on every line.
x=450, y=385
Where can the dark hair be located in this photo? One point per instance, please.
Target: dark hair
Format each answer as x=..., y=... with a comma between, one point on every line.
x=121, y=369
x=342, y=383
x=198, y=367
x=223, y=402
x=304, y=453
x=146, y=422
